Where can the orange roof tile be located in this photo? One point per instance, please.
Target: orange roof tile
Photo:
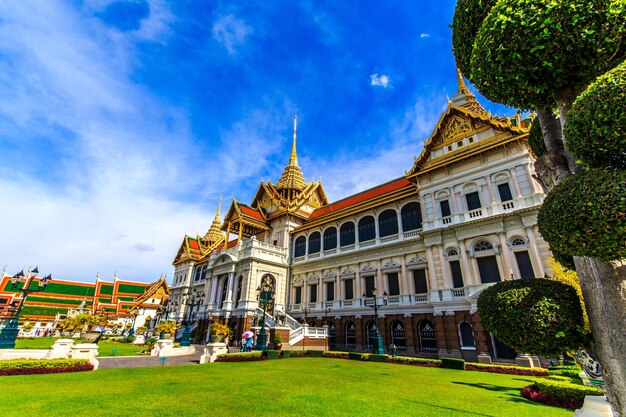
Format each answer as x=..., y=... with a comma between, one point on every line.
x=361, y=197
x=251, y=212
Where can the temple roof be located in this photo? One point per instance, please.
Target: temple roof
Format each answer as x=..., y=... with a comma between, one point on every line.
x=292, y=178
x=214, y=234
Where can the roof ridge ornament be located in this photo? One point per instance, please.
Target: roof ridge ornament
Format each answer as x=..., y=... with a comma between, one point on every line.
x=292, y=178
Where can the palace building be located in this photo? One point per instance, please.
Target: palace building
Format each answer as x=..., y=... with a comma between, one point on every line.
x=425, y=245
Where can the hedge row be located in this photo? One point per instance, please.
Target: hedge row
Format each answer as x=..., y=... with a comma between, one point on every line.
x=407, y=360
x=45, y=366
x=558, y=393
x=240, y=357
x=505, y=369
x=453, y=363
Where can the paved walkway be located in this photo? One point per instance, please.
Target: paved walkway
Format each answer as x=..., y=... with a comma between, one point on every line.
x=145, y=361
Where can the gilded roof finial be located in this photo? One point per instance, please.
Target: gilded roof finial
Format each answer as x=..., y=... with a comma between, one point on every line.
x=214, y=234
x=293, y=158
x=462, y=87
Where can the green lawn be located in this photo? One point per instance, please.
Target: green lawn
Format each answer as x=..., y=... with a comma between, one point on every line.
x=288, y=387
x=105, y=347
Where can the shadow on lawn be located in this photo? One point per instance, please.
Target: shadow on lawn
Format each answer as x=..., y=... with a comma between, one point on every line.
x=489, y=387
x=466, y=412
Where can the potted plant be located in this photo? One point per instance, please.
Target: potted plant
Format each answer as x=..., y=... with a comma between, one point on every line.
x=218, y=332
x=141, y=330
x=278, y=341
x=87, y=324
x=166, y=329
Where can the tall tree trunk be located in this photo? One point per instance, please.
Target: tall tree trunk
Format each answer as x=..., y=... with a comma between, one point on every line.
x=564, y=100
x=604, y=290
x=551, y=167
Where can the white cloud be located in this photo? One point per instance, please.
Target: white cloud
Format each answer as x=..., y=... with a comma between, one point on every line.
x=379, y=80
x=230, y=32
x=424, y=35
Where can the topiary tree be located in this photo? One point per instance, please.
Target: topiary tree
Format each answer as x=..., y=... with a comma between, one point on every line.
x=468, y=16
x=543, y=54
x=595, y=132
x=585, y=215
x=538, y=316
x=535, y=139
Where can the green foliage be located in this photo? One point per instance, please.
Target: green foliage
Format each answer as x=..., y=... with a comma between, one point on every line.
x=315, y=353
x=535, y=139
x=569, y=371
x=378, y=358
x=453, y=363
x=130, y=339
x=415, y=361
x=565, y=389
x=286, y=353
x=255, y=354
x=336, y=354
x=488, y=367
x=468, y=16
x=539, y=316
x=527, y=50
x=585, y=215
x=358, y=356
x=141, y=329
x=271, y=354
x=595, y=132
x=168, y=326
x=40, y=363
x=277, y=338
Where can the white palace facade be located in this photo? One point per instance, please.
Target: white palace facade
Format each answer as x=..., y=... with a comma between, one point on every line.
x=463, y=217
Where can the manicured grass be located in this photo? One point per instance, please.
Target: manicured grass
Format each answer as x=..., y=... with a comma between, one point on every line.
x=105, y=347
x=288, y=387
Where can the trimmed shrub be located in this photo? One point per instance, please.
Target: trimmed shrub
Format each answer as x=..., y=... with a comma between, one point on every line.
x=240, y=357
x=358, y=356
x=468, y=16
x=539, y=316
x=296, y=353
x=505, y=369
x=315, y=353
x=595, y=131
x=585, y=215
x=558, y=393
x=535, y=139
x=271, y=354
x=570, y=372
x=286, y=353
x=378, y=358
x=546, y=47
x=337, y=355
x=453, y=363
x=406, y=360
x=43, y=366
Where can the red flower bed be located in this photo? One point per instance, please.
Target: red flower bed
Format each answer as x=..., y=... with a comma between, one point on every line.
x=502, y=370
x=32, y=371
x=533, y=393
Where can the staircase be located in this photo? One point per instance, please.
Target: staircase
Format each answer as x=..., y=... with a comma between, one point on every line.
x=181, y=329
x=297, y=331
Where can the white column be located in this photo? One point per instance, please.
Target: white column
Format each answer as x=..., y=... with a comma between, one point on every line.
x=380, y=283
x=518, y=193
x=453, y=197
x=214, y=290
x=229, y=291
x=405, y=285
x=447, y=280
x=468, y=277
x=506, y=258
x=535, y=258
x=434, y=285
x=490, y=190
x=356, y=288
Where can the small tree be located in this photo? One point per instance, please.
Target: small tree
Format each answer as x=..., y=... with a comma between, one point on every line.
x=538, y=316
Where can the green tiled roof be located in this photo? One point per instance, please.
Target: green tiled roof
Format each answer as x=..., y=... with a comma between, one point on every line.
x=131, y=289
x=106, y=289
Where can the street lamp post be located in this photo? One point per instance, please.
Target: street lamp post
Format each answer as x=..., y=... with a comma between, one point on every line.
x=192, y=299
x=326, y=311
x=8, y=334
x=131, y=332
x=377, y=346
x=264, y=295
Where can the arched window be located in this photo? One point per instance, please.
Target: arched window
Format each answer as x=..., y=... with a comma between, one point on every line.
x=205, y=269
x=198, y=273
x=331, y=335
x=398, y=337
x=315, y=242
x=518, y=242
x=367, y=229
x=299, y=247
x=346, y=234
x=330, y=238
x=388, y=223
x=427, y=337
x=482, y=245
x=467, y=335
x=239, y=287
x=411, y=217
x=350, y=331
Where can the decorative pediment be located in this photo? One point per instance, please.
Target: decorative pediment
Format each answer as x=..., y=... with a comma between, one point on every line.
x=329, y=274
x=417, y=260
x=347, y=271
x=391, y=264
x=298, y=279
x=368, y=268
x=313, y=278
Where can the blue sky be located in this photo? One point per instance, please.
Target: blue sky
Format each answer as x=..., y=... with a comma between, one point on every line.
x=121, y=122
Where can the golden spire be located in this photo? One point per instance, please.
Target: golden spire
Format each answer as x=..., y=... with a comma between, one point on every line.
x=292, y=175
x=214, y=234
x=462, y=87
x=464, y=97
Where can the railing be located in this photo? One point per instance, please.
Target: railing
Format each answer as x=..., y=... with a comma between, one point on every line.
x=314, y=255
x=367, y=243
x=475, y=213
x=446, y=220
x=269, y=320
x=292, y=323
x=412, y=233
x=296, y=335
x=315, y=332
x=330, y=251
x=508, y=205
x=458, y=292
x=348, y=303
x=389, y=238
x=393, y=299
x=421, y=298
